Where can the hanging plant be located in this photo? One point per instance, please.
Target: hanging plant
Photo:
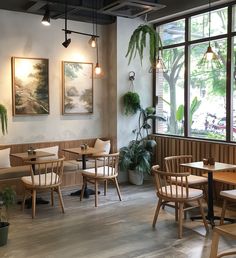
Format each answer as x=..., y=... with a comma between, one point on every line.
x=3, y=118
x=137, y=43
x=131, y=103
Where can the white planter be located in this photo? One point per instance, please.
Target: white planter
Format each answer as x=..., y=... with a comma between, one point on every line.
x=135, y=178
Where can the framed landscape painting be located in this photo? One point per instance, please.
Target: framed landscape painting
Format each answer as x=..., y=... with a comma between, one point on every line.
x=30, y=86
x=77, y=82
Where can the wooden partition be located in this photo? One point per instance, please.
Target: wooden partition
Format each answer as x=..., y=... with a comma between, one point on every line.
x=199, y=149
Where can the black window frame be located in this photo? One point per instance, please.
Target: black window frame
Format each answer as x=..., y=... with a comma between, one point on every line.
x=187, y=43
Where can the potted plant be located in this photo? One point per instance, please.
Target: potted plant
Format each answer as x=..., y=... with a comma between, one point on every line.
x=131, y=103
x=137, y=156
x=7, y=198
x=3, y=118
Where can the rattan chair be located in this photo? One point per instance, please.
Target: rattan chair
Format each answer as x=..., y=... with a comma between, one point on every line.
x=228, y=231
x=105, y=169
x=45, y=175
x=173, y=187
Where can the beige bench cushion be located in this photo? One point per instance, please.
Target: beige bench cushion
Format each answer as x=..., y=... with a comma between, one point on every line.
x=14, y=172
x=70, y=165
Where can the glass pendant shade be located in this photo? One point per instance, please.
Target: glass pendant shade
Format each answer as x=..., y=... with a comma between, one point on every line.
x=210, y=59
x=158, y=66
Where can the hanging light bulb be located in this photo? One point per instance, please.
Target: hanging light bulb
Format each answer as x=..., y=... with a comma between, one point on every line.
x=98, y=69
x=92, y=41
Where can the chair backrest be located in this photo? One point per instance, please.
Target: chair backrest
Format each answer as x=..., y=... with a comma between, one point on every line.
x=46, y=172
x=107, y=165
x=171, y=185
x=172, y=163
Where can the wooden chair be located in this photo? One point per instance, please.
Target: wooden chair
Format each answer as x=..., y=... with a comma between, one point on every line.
x=228, y=231
x=45, y=175
x=173, y=187
x=106, y=169
x=228, y=196
x=172, y=164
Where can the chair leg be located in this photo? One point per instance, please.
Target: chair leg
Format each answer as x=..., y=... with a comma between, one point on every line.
x=96, y=193
x=214, y=244
x=205, y=191
x=117, y=188
x=33, y=203
x=203, y=215
x=52, y=197
x=61, y=199
x=223, y=212
x=83, y=188
x=105, y=187
x=176, y=211
x=159, y=204
x=23, y=202
x=181, y=210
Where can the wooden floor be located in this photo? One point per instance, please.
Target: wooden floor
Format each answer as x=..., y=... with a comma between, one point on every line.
x=114, y=229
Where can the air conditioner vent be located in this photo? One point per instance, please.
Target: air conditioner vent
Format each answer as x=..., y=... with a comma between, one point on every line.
x=131, y=9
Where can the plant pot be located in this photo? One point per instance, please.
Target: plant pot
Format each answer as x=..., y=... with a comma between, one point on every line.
x=135, y=177
x=3, y=233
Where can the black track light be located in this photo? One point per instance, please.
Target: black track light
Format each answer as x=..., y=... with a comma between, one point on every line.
x=46, y=18
x=66, y=43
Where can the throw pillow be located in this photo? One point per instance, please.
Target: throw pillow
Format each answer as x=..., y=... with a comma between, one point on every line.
x=53, y=150
x=103, y=146
x=5, y=158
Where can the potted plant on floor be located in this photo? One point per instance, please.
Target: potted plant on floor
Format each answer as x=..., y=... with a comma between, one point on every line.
x=137, y=156
x=7, y=198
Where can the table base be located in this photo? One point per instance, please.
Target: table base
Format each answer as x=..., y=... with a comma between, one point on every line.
x=87, y=192
x=28, y=202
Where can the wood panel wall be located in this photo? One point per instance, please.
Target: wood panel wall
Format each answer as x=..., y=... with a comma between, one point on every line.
x=18, y=148
x=199, y=149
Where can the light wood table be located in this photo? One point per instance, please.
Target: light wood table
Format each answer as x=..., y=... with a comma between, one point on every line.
x=210, y=169
x=83, y=153
x=25, y=156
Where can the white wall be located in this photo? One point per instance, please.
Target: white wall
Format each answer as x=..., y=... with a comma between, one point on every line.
x=23, y=35
x=142, y=83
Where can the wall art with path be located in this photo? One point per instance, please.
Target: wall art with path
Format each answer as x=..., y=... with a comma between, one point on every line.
x=77, y=84
x=30, y=87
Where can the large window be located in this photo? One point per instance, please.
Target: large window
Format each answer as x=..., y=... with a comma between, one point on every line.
x=198, y=91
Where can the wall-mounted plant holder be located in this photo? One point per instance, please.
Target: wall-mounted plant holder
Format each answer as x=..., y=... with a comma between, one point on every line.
x=131, y=76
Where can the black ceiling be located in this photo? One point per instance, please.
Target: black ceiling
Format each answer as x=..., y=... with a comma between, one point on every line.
x=107, y=10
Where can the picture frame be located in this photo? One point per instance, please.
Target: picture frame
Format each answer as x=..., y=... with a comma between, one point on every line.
x=30, y=87
x=77, y=85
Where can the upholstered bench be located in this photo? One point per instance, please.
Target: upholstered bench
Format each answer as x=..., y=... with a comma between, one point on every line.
x=12, y=169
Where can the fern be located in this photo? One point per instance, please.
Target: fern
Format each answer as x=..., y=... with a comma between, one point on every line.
x=137, y=43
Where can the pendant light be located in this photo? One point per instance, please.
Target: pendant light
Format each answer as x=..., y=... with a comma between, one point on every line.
x=210, y=58
x=159, y=65
x=98, y=69
x=46, y=18
x=92, y=41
